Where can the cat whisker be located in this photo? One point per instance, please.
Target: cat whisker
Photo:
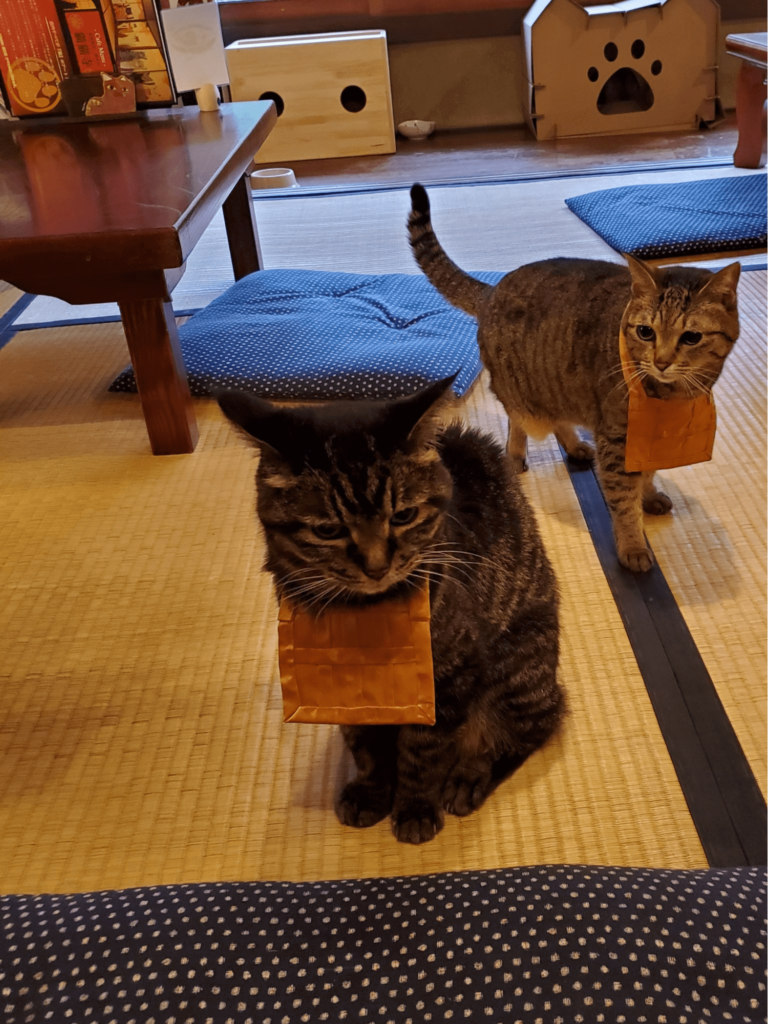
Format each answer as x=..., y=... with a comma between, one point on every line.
x=458, y=567
x=430, y=574
x=298, y=573
x=312, y=596
x=336, y=591
x=637, y=374
x=612, y=372
x=480, y=560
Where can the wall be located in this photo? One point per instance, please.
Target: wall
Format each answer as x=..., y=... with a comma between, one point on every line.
x=473, y=83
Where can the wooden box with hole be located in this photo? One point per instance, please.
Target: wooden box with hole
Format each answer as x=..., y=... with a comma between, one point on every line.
x=634, y=66
x=331, y=90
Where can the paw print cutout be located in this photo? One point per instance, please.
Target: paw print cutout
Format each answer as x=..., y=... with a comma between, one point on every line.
x=626, y=90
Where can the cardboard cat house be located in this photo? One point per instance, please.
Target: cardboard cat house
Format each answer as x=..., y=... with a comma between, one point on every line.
x=634, y=66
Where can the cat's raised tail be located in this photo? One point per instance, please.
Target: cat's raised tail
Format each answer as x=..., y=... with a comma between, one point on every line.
x=452, y=282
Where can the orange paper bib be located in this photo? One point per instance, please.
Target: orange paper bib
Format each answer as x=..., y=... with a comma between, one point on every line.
x=358, y=666
x=665, y=433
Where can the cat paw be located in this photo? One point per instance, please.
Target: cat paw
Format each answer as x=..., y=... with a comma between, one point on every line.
x=362, y=804
x=518, y=464
x=463, y=795
x=417, y=823
x=581, y=452
x=657, y=504
x=636, y=559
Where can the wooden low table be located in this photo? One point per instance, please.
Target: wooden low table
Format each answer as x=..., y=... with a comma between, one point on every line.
x=109, y=211
x=752, y=50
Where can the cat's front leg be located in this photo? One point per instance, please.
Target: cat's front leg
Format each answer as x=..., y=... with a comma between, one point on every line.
x=623, y=495
x=425, y=756
x=369, y=797
x=517, y=444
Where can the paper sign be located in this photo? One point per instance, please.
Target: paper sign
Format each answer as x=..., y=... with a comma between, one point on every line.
x=195, y=46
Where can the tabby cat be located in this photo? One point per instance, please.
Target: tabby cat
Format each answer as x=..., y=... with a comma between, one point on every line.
x=363, y=500
x=549, y=335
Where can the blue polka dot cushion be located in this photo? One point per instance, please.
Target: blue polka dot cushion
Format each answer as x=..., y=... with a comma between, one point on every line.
x=684, y=219
x=538, y=945
x=305, y=334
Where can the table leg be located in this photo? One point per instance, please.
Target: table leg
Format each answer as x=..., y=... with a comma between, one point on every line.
x=242, y=234
x=750, y=116
x=153, y=342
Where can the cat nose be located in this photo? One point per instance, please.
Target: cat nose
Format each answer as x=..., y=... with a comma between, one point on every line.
x=377, y=574
x=662, y=364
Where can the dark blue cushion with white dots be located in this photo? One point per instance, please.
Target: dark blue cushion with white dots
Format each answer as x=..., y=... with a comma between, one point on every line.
x=307, y=334
x=554, y=945
x=683, y=219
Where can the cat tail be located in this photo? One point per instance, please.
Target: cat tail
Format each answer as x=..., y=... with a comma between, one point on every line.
x=454, y=284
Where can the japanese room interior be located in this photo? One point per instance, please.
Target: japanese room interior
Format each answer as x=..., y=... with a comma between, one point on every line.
x=165, y=809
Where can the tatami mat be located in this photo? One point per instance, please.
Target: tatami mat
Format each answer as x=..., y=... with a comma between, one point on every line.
x=140, y=718
x=483, y=227
x=712, y=550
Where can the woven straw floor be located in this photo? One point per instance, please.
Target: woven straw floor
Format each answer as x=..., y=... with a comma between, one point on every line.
x=483, y=227
x=713, y=549
x=141, y=734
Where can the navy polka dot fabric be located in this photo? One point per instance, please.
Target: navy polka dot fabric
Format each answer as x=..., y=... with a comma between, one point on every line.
x=540, y=945
x=684, y=219
x=313, y=335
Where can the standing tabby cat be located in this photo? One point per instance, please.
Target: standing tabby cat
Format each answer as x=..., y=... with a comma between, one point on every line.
x=549, y=335
x=362, y=500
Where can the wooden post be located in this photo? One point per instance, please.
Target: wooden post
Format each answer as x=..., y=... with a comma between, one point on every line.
x=242, y=233
x=750, y=116
x=153, y=342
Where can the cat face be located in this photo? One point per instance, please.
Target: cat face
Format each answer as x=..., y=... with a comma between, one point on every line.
x=680, y=325
x=350, y=494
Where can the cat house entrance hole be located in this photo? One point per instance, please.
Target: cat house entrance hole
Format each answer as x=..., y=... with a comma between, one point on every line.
x=353, y=99
x=625, y=92
x=277, y=100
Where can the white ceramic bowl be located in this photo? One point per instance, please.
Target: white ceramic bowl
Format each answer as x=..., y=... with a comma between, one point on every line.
x=274, y=177
x=416, y=129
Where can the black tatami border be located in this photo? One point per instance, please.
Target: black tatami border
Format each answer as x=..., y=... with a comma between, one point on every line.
x=723, y=797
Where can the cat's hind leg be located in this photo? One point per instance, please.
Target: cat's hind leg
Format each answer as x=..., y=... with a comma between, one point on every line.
x=521, y=706
x=655, y=502
x=517, y=444
x=580, y=451
x=468, y=785
x=369, y=797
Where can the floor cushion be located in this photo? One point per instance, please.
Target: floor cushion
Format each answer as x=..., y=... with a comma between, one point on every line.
x=304, y=334
x=521, y=945
x=682, y=219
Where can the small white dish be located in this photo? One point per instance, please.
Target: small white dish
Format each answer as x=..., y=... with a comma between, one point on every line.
x=274, y=177
x=416, y=129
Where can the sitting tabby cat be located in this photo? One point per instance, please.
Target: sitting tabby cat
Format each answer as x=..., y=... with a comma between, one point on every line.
x=361, y=500
x=549, y=335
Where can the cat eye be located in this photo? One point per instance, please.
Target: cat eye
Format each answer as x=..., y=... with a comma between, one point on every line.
x=690, y=338
x=645, y=333
x=329, y=531
x=404, y=516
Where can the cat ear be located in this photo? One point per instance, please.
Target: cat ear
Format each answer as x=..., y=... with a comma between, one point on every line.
x=722, y=285
x=265, y=423
x=644, y=278
x=411, y=418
